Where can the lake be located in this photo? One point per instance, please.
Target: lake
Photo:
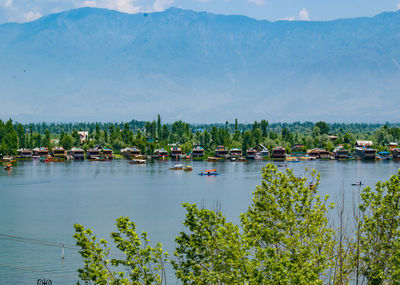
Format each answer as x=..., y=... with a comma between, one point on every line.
x=41, y=201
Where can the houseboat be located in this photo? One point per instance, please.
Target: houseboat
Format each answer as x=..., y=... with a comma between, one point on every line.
x=385, y=155
x=176, y=152
x=314, y=153
x=77, y=153
x=161, y=153
x=365, y=144
x=264, y=152
x=319, y=153
x=107, y=153
x=221, y=151
x=198, y=151
x=324, y=154
x=138, y=161
x=92, y=153
x=298, y=148
x=130, y=152
x=278, y=153
x=59, y=152
x=24, y=153
x=235, y=152
x=365, y=153
x=252, y=154
x=396, y=153
x=392, y=146
x=41, y=152
x=341, y=153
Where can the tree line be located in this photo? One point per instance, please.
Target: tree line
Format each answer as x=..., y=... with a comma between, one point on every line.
x=285, y=237
x=151, y=135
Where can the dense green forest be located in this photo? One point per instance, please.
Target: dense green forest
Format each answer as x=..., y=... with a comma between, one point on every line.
x=150, y=135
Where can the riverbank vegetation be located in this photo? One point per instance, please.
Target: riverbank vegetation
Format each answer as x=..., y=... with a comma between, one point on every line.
x=151, y=135
x=287, y=236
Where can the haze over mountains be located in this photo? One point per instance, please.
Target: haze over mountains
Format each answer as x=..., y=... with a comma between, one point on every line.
x=96, y=64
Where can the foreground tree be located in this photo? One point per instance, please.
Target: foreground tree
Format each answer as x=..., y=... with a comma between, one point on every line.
x=286, y=228
x=141, y=263
x=211, y=251
x=380, y=232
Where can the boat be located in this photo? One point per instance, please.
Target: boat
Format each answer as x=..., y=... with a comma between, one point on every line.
x=137, y=161
x=278, y=153
x=93, y=153
x=385, y=155
x=359, y=183
x=211, y=172
x=9, y=160
x=365, y=153
x=211, y=158
x=188, y=168
x=130, y=152
x=107, y=153
x=177, y=167
x=59, y=152
x=101, y=158
x=77, y=153
x=8, y=167
x=24, y=153
x=49, y=159
x=292, y=159
x=176, y=152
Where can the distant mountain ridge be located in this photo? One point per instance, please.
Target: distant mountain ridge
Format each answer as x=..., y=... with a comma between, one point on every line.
x=97, y=64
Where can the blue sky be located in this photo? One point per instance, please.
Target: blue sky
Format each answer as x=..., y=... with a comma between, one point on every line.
x=28, y=10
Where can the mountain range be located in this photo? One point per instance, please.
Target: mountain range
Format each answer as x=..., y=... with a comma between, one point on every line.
x=94, y=64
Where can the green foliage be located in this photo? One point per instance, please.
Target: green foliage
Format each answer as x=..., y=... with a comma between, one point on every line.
x=212, y=252
x=287, y=229
x=323, y=127
x=141, y=263
x=380, y=232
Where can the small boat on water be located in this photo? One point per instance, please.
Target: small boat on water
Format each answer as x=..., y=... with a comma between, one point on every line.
x=9, y=159
x=177, y=167
x=188, y=168
x=211, y=158
x=8, y=167
x=211, y=172
x=137, y=161
x=292, y=159
x=359, y=183
x=49, y=159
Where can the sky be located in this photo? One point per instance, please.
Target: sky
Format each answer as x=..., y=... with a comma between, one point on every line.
x=272, y=10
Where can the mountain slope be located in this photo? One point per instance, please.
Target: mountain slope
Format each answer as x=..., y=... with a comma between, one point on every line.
x=96, y=64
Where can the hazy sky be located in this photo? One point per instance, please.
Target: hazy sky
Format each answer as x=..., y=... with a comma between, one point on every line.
x=28, y=10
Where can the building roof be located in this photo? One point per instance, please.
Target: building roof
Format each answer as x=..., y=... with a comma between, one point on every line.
x=364, y=143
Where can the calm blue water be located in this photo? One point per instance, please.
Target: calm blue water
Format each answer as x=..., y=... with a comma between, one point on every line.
x=42, y=201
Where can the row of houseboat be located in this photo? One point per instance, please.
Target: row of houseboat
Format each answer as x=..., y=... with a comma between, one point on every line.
x=362, y=150
x=61, y=153
x=220, y=152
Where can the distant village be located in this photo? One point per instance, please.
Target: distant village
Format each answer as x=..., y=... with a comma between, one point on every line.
x=143, y=141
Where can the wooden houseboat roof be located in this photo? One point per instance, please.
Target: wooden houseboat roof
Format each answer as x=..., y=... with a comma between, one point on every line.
x=58, y=148
x=364, y=143
x=24, y=150
x=220, y=148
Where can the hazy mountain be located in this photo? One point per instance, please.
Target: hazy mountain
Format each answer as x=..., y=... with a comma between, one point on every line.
x=96, y=64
